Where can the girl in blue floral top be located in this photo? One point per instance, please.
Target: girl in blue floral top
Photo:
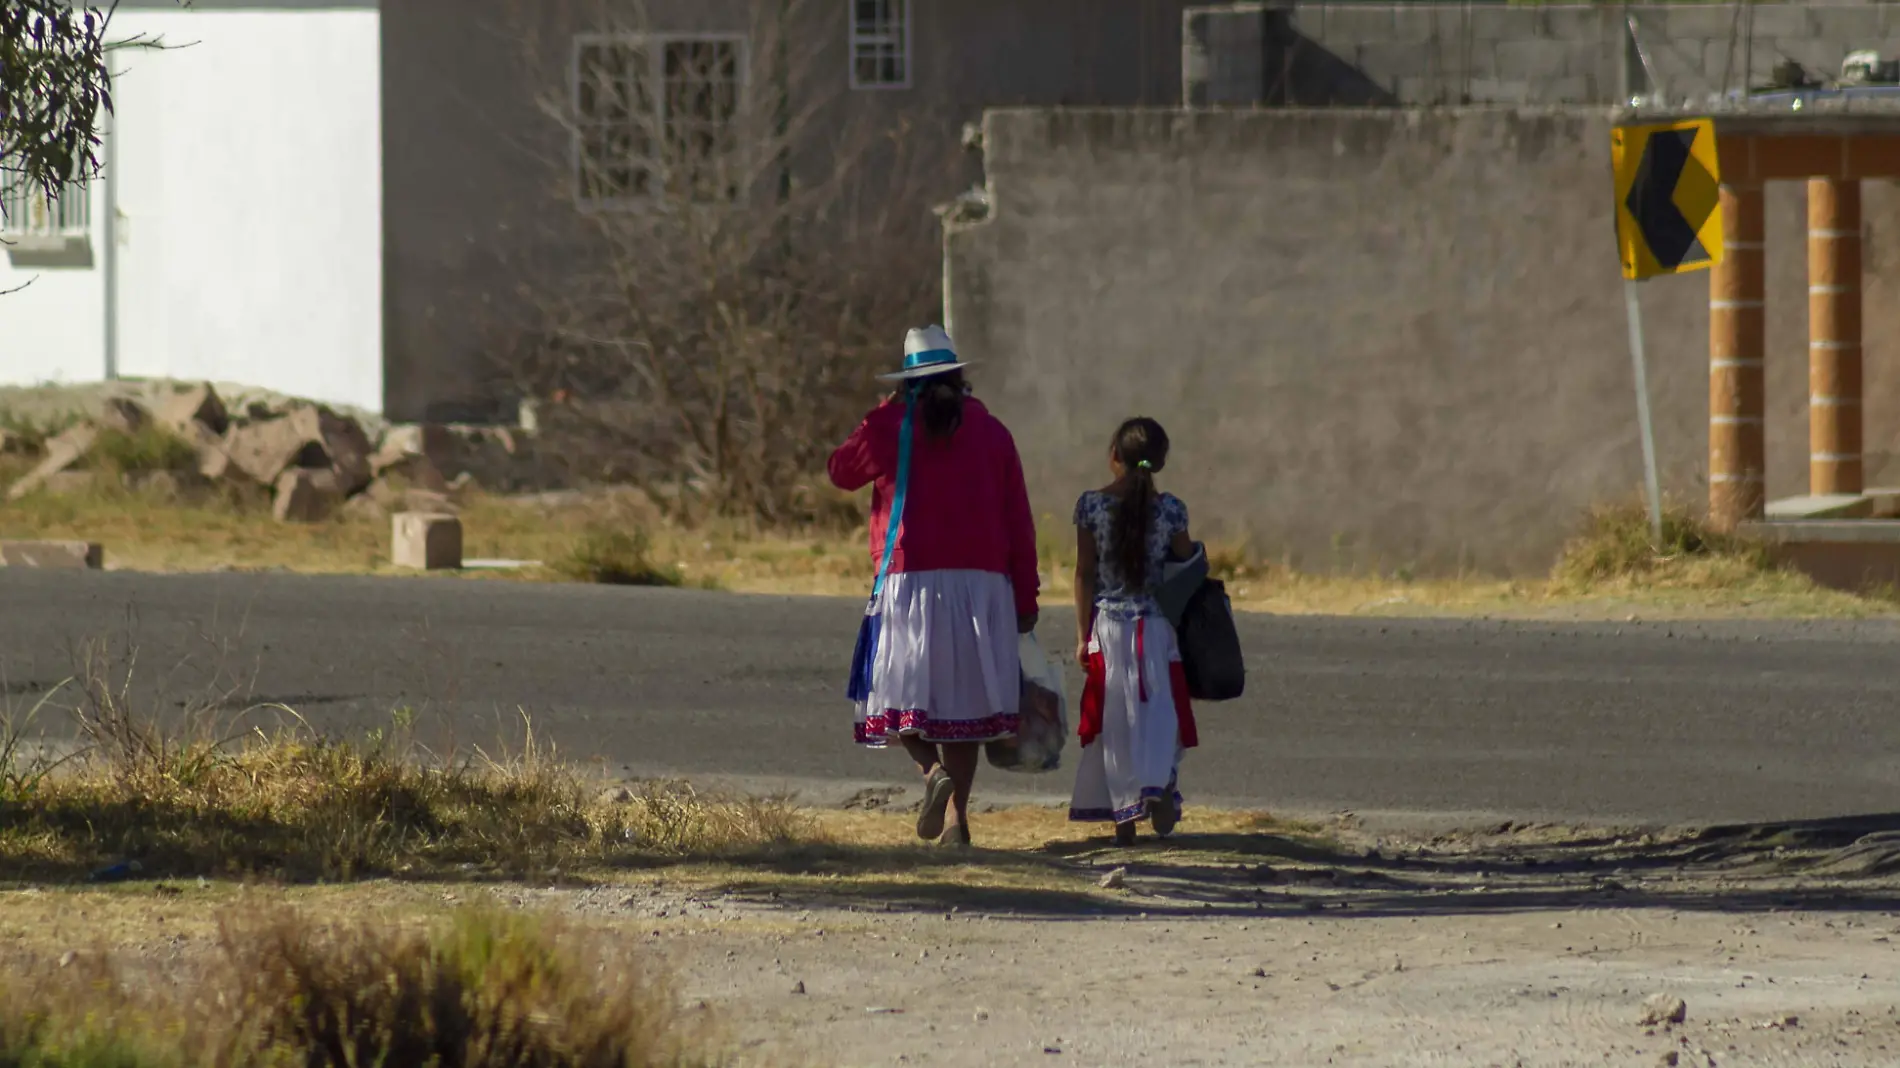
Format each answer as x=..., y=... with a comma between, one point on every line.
x=1136, y=720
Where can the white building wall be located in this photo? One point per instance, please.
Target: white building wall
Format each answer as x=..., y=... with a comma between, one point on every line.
x=53, y=318
x=247, y=165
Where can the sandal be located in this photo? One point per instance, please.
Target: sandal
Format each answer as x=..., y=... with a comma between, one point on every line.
x=1163, y=814
x=958, y=836
x=937, y=791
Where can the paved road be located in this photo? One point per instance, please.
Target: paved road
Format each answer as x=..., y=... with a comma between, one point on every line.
x=1663, y=722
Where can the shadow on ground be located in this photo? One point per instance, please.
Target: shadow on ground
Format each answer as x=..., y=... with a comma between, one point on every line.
x=1844, y=864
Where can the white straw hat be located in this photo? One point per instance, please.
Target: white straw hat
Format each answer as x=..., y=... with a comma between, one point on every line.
x=927, y=351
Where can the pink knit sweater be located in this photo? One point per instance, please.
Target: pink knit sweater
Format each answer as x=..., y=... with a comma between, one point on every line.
x=967, y=507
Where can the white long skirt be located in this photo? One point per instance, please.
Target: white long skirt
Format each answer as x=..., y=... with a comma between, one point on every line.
x=946, y=668
x=1134, y=680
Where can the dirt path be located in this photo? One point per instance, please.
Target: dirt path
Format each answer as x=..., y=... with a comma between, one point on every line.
x=1526, y=947
x=1251, y=942
x=1546, y=988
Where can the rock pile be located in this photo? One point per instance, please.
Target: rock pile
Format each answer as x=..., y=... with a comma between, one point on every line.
x=314, y=461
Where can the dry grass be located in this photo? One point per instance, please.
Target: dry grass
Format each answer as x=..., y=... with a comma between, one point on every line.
x=1609, y=570
x=146, y=532
x=477, y=989
x=299, y=808
x=130, y=799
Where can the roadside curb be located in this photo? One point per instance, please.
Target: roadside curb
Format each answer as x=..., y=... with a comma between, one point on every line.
x=53, y=555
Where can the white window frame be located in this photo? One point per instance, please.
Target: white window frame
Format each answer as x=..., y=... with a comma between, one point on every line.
x=876, y=41
x=654, y=44
x=33, y=218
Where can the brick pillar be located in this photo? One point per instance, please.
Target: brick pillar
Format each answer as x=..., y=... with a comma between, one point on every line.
x=1737, y=394
x=1834, y=369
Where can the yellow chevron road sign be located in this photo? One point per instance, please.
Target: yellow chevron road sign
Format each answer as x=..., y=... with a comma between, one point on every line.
x=1668, y=203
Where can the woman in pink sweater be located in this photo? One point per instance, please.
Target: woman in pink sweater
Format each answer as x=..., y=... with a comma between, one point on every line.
x=960, y=583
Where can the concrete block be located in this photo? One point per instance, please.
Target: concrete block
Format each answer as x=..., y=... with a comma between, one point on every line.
x=1418, y=91
x=62, y=452
x=1885, y=501
x=1567, y=89
x=1353, y=25
x=1821, y=59
x=264, y=450
x=1388, y=62
x=426, y=542
x=306, y=495
x=1578, y=24
x=124, y=415
x=1852, y=27
x=1717, y=62
x=1791, y=20
x=194, y=407
x=414, y=471
x=413, y=439
x=1503, y=23
x=1498, y=91
x=1537, y=59
x=1690, y=21
x=1823, y=506
x=66, y=555
x=307, y=436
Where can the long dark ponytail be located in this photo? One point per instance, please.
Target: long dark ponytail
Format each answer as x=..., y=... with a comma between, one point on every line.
x=940, y=403
x=1141, y=447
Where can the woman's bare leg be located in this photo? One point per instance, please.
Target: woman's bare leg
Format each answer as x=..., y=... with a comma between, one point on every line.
x=924, y=753
x=960, y=760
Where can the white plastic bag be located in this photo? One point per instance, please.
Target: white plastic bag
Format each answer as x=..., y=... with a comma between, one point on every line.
x=1037, y=746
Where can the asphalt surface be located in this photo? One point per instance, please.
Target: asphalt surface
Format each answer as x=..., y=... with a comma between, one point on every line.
x=1666, y=723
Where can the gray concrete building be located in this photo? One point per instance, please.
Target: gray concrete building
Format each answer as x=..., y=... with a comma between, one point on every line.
x=481, y=179
x=1306, y=53
x=1381, y=338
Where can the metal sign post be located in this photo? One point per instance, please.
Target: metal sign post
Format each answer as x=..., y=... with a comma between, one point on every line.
x=1635, y=308
x=1668, y=189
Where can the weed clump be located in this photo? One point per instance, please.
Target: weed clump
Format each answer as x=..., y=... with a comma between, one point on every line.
x=616, y=557
x=1616, y=549
x=150, y=448
x=480, y=989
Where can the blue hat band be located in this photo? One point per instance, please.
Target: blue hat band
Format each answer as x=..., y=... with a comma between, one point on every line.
x=928, y=358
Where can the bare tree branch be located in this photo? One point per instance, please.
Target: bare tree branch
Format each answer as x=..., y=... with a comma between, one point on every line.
x=753, y=250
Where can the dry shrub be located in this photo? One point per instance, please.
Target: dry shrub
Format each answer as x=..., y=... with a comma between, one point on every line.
x=614, y=556
x=478, y=990
x=1617, y=550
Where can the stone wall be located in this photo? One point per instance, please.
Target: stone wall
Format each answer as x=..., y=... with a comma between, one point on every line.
x=1380, y=338
x=1431, y=53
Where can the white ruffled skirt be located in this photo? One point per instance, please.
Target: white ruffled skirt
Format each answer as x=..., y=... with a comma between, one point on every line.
x=946, y=668
x=1136, y=721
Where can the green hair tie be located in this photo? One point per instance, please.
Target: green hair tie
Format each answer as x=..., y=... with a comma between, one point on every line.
x=1144, y=465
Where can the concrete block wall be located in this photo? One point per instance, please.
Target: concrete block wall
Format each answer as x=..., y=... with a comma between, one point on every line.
x=1223, y=60
x=1438, y=53
x=1380, y=338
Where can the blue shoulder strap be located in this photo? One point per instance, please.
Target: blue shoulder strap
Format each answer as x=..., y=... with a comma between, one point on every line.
x=897, y=500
